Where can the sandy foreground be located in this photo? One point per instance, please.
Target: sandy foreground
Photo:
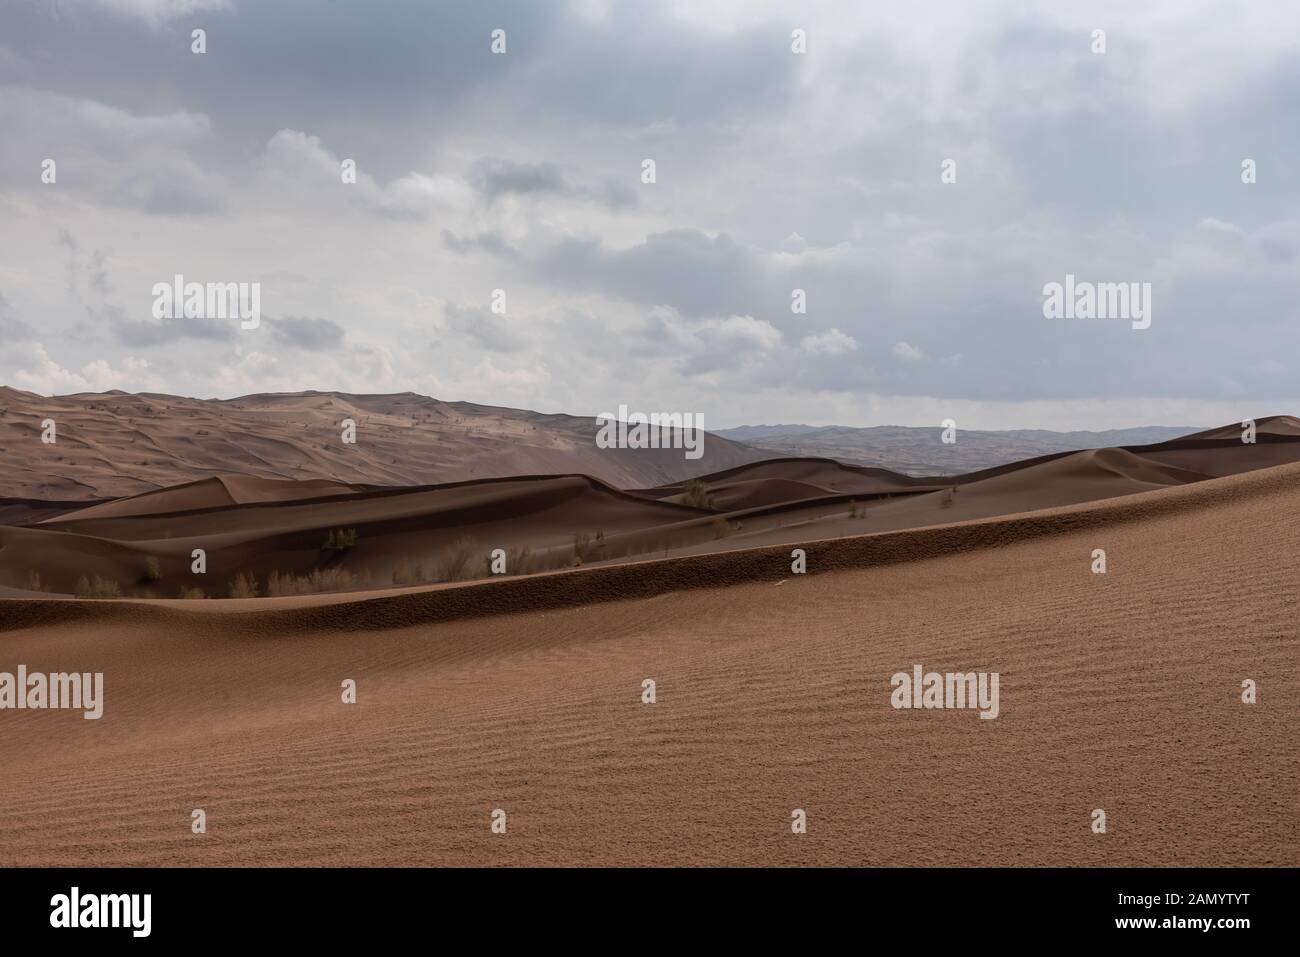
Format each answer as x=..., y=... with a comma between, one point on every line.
x=1119, y=691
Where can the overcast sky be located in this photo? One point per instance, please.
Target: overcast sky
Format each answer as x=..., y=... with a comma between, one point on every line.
x=775, y=171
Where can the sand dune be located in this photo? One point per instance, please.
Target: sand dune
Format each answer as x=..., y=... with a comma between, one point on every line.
x=918, y=451
x=1119, y=691
x=290, y=531
x=400, y=534
x=217, y=492
x=115, y=444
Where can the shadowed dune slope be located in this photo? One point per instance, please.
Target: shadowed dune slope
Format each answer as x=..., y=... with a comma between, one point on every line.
x=826, y=476
x=1119, y=691
x=393, y=531
x=338, y=536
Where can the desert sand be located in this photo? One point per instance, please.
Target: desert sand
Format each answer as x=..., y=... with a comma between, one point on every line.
x=1119, y=691
x=112, y=444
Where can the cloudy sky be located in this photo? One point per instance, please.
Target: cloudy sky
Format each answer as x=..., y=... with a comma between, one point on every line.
x=775, y=171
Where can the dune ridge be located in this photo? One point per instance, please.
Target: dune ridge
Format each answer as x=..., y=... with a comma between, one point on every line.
x=647, y=578
x=280, y=536
x=116, y=444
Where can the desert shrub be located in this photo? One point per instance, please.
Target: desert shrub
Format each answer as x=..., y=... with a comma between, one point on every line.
x=340, y=540
x=244, y=586
x=454, y=561
x=697, y=494
x=720, y=527
x=34, y=582
x=581, y=547
x=319, y=580
x=945, y=500
x=334, y=579
x=521, y=561
x=97, y=588
x=406, y=574
x=152, y=570
x=192, y=592
x=856, y=510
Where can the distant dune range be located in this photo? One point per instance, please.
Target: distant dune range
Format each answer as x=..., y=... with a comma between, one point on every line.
x=1119, y=691
x=319, y=535
x=114, y=443
x=915, y=451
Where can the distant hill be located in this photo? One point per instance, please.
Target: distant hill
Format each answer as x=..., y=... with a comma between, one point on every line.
x=919, y=451
x=115, y=443
x=755, y=433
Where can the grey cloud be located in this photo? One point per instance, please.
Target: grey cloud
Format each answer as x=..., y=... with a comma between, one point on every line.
x=488, y=330
x=352, y=73
x=633, y=69
x=697, y=274
x=132, y=159
x=618, y=195
x=93, y=269
x=13, y=329
x=487, y=240
x=139, y=332
x=496, y=178
x=305, y=333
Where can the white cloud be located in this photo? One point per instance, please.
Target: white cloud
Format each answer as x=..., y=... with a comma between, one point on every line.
x=906, y=352
x=104, y=154
x=794, y=243
x=299, y=163
x=33, y=370
x=832, y=342
x=1212, y=225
